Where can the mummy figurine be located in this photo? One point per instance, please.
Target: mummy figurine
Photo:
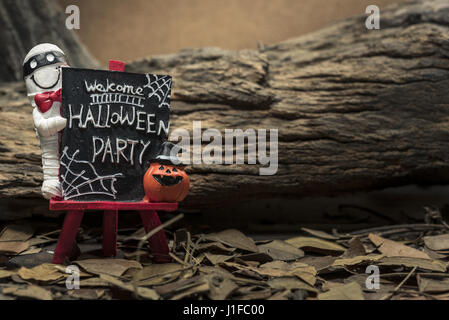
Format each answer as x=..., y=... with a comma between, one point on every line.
x=42, y=76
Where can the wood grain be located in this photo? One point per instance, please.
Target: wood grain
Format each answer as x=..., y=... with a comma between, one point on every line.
x=356, y=110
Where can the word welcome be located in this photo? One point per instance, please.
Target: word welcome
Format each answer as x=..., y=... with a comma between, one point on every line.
x=110, y=87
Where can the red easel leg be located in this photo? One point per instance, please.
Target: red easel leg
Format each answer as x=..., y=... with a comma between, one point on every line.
x=110, y=225
x=158, y=242
x=67, y=237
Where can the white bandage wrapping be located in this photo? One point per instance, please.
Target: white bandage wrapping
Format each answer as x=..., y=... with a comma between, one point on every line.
x=47, y=127
x=50, y=157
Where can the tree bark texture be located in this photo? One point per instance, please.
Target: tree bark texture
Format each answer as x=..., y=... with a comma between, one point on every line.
x=356, y=110
x=26, y=23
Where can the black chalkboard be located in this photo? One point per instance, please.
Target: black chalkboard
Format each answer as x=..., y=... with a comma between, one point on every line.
x=116, y=122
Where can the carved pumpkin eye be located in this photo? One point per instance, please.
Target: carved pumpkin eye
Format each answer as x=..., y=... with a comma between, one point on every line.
x=161, y=168
x=174, y=170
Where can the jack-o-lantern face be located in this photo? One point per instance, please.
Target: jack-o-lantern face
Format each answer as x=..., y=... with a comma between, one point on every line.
x=165, y=183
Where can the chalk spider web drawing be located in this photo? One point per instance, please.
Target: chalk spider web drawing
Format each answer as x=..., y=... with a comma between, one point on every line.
x=77, y=184
x=160, y=88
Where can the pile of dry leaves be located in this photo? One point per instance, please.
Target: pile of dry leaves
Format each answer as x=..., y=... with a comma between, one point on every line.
x=412, y=262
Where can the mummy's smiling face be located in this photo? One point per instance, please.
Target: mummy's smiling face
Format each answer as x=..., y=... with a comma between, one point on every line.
x=47, y=78
x=167, y=180
x=42, y=68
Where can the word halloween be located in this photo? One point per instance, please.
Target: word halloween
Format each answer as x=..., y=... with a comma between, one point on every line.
x=104, y=118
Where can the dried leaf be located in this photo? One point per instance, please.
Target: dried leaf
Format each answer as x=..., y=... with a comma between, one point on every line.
x=356, y=248
x=86, y=294
x=386, y=285
x=44, y=272
x=426, y=264
x=189, y=273
x=15, y=278
x=135, y=254
x=6, y=273
x=33, y=292
x=350, y=291
x=220, y=287
x=233, y=238
x=142, y=292
x=392, y=248
x=272, y=272
x=16, y=232
x=434, y=254
x=156, y=274
x=275, y=269
x=356, y=260
x=283, y=269
x=282, y=295
x=280, y=250
x=63, y=270
x=114, y=267
x=91, y=282
x=30, y=251
x=214, y=247
x=316, y=245
x=433, y=284
x=248, y=273
x=440, y=242
x=253, y=259
x=216, y=258
x=240, y=269
x=14, y=247
x=320, y=234
x=319, y=263
x=291, y=283
x=181, y=285
x=147, y=293
x=39, y=241
x=253, y=293
x=208, y=270
x=202, y=287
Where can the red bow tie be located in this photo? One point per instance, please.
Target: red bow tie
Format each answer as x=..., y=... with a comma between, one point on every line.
x=45, y=100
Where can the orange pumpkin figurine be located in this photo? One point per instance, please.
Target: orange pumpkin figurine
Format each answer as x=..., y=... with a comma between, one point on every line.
x=166, y=180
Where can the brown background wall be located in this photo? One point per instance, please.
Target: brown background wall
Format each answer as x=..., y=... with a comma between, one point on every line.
x=132, y=29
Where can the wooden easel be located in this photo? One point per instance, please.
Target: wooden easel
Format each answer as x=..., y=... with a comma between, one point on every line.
x=75, y=212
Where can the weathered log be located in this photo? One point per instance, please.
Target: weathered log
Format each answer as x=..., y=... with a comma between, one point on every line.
x=26, y=23
x=356, y=110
